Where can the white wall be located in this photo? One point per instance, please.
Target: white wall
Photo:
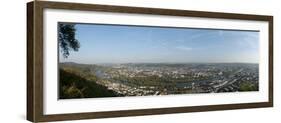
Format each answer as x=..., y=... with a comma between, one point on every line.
x=13, y=61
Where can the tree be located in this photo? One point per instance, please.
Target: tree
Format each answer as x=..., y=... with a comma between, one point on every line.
x=67, y=40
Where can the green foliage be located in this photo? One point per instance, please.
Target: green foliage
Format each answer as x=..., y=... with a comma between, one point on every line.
x=73, y=85
x=66, y=37
x=247, y=86
x=72, y=92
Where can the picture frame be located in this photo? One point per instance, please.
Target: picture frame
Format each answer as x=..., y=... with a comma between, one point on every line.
x=36, y=56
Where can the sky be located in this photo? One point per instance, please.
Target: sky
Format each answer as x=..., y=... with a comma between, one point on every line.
x=140, y=44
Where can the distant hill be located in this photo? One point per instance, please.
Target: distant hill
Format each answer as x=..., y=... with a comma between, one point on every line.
x=73, y=85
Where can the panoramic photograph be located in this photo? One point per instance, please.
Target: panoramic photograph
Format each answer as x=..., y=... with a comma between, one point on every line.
x=104, y=60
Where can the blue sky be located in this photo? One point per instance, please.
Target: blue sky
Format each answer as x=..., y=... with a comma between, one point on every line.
x=137, y=44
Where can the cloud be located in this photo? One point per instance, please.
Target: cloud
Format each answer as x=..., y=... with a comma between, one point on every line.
x=180, y=41
x=184, y=48
x=164, y=43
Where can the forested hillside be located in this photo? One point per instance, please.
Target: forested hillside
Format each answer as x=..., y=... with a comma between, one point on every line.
x=73, y=85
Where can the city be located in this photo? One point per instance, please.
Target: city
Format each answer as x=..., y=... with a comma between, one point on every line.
x=143, y=79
